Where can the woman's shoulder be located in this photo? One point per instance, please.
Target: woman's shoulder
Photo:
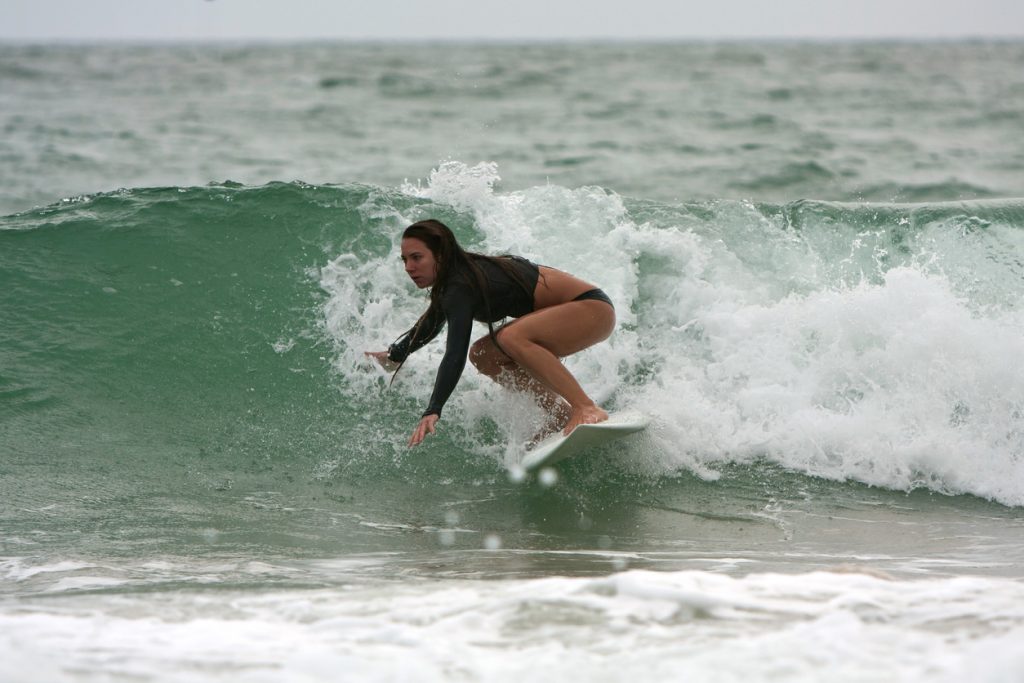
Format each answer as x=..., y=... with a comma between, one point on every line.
x=460, y=290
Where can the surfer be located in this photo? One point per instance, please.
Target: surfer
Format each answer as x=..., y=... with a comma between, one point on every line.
x=556, y=315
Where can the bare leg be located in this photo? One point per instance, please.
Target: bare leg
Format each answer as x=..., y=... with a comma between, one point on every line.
x=494, y=363
x=535, y=342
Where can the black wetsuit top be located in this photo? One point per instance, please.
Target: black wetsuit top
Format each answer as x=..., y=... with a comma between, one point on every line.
x=461, y=304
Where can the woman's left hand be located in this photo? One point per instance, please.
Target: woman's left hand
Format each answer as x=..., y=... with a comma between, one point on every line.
x=426, y=426
x=382, y=358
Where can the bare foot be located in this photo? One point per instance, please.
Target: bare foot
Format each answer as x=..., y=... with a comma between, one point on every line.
x=586, y=415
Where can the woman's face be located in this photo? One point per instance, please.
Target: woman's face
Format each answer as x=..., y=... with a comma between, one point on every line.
x=420, y=264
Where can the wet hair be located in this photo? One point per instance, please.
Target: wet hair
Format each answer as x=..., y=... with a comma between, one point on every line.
x=451, y=258
x=448, y=254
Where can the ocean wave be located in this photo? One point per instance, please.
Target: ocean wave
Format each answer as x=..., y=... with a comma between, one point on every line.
x=853, y=342
x=859, y=342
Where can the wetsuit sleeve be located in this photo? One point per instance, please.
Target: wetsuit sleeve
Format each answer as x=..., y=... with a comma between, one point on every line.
x=404, y=345
x=458, y=311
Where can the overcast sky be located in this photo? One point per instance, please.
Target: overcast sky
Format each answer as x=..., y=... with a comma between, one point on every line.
x=506, y=19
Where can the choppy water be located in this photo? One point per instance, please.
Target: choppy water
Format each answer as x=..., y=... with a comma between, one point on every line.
x=848, y=121
x=816, y=252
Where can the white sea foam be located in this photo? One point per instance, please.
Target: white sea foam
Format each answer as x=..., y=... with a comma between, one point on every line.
x=742, y=339
x=664, y=626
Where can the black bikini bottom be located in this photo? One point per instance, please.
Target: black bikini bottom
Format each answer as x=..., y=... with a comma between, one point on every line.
x=595, y=294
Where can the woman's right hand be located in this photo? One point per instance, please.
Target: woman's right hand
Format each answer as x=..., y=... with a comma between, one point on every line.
x=382, y=358
x=426, y=426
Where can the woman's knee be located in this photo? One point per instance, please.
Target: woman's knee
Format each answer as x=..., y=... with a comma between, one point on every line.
x=486, y=358
x=510, y=341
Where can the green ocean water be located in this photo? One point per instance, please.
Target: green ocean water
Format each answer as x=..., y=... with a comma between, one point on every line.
x=816, y=254
x=173, y=342
x=888, y=121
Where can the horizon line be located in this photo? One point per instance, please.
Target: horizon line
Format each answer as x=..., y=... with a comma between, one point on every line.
x=165, y=40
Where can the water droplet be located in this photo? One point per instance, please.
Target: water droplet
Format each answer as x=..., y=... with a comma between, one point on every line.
x=547, y=477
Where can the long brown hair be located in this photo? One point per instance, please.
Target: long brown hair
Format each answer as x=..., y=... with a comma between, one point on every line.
x=451, y=258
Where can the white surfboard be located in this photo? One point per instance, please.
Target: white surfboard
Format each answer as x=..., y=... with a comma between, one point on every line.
x=557, y=447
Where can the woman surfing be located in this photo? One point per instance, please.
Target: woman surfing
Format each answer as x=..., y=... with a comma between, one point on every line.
x=556, y=315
